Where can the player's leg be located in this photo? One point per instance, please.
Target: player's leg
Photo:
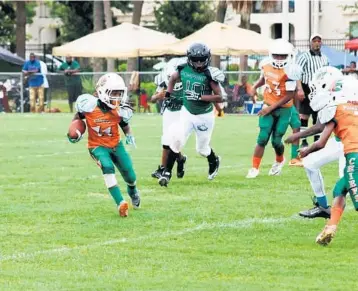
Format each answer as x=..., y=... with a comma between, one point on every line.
x=32, y=99
x=314, y=121
x=124, y=165
x=182, y=130
x=312, y=164
x=71, y=96
x=278, y=131
x=102, y=156
x=203, y=127
x=265, y=123
x=305, y=112
x=295, y=124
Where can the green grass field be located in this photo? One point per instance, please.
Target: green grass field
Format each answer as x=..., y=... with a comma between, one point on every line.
x=60, y=229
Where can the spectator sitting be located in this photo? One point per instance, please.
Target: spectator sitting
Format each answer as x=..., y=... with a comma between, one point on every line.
x=241, y=93
x=351, y=70
x=31, y=70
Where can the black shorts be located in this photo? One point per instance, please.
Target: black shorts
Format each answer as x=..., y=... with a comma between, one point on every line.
x=305, y=107
x=74, y=90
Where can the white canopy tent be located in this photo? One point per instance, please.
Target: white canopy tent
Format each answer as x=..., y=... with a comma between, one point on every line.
x=122, y=41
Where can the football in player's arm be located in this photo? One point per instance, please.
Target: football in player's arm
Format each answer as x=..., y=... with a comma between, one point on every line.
x=104, y=114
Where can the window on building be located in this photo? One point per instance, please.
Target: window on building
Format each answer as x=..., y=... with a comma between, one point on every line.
x=353, y=29
x=291, y=5
x=273, y=7
x=319, y=6
x=276, y=30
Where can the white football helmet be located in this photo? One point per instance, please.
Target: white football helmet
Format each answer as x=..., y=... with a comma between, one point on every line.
x=281, y=53
x=106, y=85
x=323, y=80
x=342, y=90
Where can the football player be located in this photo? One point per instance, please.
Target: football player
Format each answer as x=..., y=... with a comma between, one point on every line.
x=201, y=85
x=171, y=114
x=332, y=151
x=103, y=116
x=338, y=111
x=275, y=116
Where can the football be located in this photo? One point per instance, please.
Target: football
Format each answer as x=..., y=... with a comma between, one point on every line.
x=76, y=124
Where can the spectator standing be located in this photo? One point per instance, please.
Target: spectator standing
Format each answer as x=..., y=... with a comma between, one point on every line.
x=32, y=72
x=45, y=84
x=73, y=83
x=310, y=62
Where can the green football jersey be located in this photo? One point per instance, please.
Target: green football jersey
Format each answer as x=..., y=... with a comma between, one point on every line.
x=195, y=84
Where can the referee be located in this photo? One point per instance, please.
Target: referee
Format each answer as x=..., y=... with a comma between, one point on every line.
x=309, y=62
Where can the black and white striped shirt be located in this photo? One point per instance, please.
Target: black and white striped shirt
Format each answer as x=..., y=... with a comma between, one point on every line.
x=310, y=63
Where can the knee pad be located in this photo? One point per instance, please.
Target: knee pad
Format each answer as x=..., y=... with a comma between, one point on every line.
x=110, y=180
x=166, y=147
x=263, y=138
x=107, y=169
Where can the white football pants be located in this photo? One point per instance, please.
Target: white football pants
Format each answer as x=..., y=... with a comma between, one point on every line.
x=170, y=118
x=202, y=124
x=333, y=151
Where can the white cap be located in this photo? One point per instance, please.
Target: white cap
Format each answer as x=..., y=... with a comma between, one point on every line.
x=314, y=35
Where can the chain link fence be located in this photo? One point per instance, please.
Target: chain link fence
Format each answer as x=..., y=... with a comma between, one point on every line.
x=15, y=96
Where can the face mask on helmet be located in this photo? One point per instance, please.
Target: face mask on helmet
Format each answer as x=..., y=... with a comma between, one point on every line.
x=111, y=90
x=281, y=53
x=333, y=96
x=199, y=57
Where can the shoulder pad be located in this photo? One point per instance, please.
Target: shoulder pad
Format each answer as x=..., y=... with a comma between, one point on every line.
x=293, y=72
x=86, y=103
x=327, y=114
x=180, y=67
x=216, y=75
x=264, y=62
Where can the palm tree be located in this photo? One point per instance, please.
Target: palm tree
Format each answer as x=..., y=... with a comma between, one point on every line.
x=219, y=17
x=108, y=20
x=20, y=28
x=137, y=14
x=98, y=26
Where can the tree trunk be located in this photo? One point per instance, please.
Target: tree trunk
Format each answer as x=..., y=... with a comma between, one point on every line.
x=132, y=63
x=108, y=20
x=20, y=28
x=97, y=26
x=244, y=23
x=220, y=17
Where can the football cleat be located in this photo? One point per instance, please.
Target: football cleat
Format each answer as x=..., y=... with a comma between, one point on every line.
x=181, y=167
x=214, y=168
x=135, y=200
x=156, y=174
x=276, y=168
x=253, y=173
x=123, y=209
x=297, y=162
x=315, y=212
x=327, y=234
x=164, y=178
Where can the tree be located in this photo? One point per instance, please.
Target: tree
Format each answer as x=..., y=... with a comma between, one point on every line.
x=109, y=23
x=174, y=16
x=8, y=19
x=98, y=25
x=20, y=28
x=75, y=14
x=132, y=64
x=219, y=17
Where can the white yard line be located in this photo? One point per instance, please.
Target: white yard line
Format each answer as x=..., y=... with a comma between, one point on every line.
x=238, y=224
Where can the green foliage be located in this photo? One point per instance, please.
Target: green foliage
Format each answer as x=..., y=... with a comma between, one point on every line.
x=233, y=67
x=175, y=16
x=149, y=87
x=122, y=67
x=78, y=14
x=8, y=20
x=88, y=85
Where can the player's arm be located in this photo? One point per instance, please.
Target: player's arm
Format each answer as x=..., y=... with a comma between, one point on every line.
x=217, y=96
x=126, y=128
x=320, y=144
x=172, y=80
x=313, y=130
x=283, y=101
x=160, y=95
x=78, y=116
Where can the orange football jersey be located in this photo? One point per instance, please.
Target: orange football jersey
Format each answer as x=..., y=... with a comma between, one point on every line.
x=102, y=128
x=346, y=129
x=275, y=80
